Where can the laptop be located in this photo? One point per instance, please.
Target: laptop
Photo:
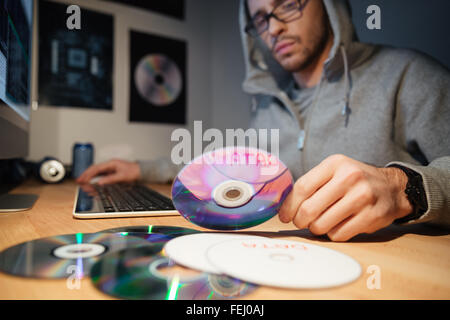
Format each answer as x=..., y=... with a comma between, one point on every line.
x=120, y=200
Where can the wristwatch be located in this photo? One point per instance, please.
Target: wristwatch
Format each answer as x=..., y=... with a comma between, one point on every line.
x=415, y=192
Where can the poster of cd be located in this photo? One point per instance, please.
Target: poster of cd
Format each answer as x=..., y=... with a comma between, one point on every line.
x=173, y=8
x=157, y=79
x=75, y=66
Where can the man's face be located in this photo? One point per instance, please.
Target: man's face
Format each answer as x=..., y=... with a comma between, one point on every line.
x=295, y=44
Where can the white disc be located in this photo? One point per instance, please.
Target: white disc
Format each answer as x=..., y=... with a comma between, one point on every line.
x=281, y=263
x=190, y=250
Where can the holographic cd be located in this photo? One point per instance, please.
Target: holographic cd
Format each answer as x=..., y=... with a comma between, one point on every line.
x=158, y=80
x=65, y=255
x=232, y=188
x=170, y=231
x=157, y=240
x=136, y=274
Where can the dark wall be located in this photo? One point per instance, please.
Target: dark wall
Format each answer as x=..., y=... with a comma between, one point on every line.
x=423, y=25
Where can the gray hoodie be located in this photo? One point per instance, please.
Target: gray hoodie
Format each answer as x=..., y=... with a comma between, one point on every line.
x=374, y=104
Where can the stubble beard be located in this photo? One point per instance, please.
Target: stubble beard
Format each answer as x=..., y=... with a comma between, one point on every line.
x=309, y=53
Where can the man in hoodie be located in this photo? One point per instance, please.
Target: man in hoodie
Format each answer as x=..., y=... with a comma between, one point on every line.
x=363, y=129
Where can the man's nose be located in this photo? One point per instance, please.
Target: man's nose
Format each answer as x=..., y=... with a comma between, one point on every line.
x=276, y=27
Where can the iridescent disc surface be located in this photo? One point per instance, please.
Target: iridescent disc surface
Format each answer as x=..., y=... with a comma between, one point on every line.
x=134, y=274
x=158, y=79
x=157, y=240
x=64, y=255
x=258, y=182
x=149, y=229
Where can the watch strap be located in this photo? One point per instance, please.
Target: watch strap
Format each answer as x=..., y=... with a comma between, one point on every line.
x=415, y=192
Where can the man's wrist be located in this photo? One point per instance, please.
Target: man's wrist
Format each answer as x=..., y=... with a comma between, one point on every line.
x=137, y=170
x=414, y=192
x=399, y=181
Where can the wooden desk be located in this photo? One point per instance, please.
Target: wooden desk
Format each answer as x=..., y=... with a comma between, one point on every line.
x=414, y=261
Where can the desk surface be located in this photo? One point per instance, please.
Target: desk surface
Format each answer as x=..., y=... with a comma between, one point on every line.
x=413, y=261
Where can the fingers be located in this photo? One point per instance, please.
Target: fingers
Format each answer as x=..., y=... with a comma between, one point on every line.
x=342, y=197
x=324, y=198
x=87, y=188
x=110, y=179
x=96, y=170
x=349, y=228
x=304, y=188
x=334, y=215
x=289, y=204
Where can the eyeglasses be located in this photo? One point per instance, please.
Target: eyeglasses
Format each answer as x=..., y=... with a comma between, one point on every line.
x=285, y=12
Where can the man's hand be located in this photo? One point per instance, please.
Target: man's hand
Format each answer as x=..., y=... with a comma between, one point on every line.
x=342, y=197
x=113, y=171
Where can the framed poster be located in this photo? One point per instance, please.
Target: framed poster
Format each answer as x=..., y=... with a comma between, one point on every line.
x=157, y=79
x=75, y=66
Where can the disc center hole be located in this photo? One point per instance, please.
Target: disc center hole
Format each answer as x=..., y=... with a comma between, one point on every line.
x=79, y=250
x=159, y=79
x=232, y=194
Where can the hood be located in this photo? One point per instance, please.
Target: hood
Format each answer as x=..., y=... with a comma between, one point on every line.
x=265, y=76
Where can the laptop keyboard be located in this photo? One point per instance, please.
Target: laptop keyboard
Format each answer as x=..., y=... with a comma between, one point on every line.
x=127, y=198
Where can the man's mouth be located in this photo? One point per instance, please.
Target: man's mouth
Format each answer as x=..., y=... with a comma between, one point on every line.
x=283, y=47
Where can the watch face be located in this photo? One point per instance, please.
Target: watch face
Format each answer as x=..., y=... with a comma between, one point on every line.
x=415, y=193
x=414, y=187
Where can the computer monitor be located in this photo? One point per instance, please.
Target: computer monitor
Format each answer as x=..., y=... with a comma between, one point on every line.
x=16, y=33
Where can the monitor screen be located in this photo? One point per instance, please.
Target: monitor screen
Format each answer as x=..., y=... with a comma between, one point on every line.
x=16, y=29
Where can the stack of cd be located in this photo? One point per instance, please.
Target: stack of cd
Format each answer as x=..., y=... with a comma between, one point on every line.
x=138, y=273
x=264, y=261
x=226, y=189
x=127, y=262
